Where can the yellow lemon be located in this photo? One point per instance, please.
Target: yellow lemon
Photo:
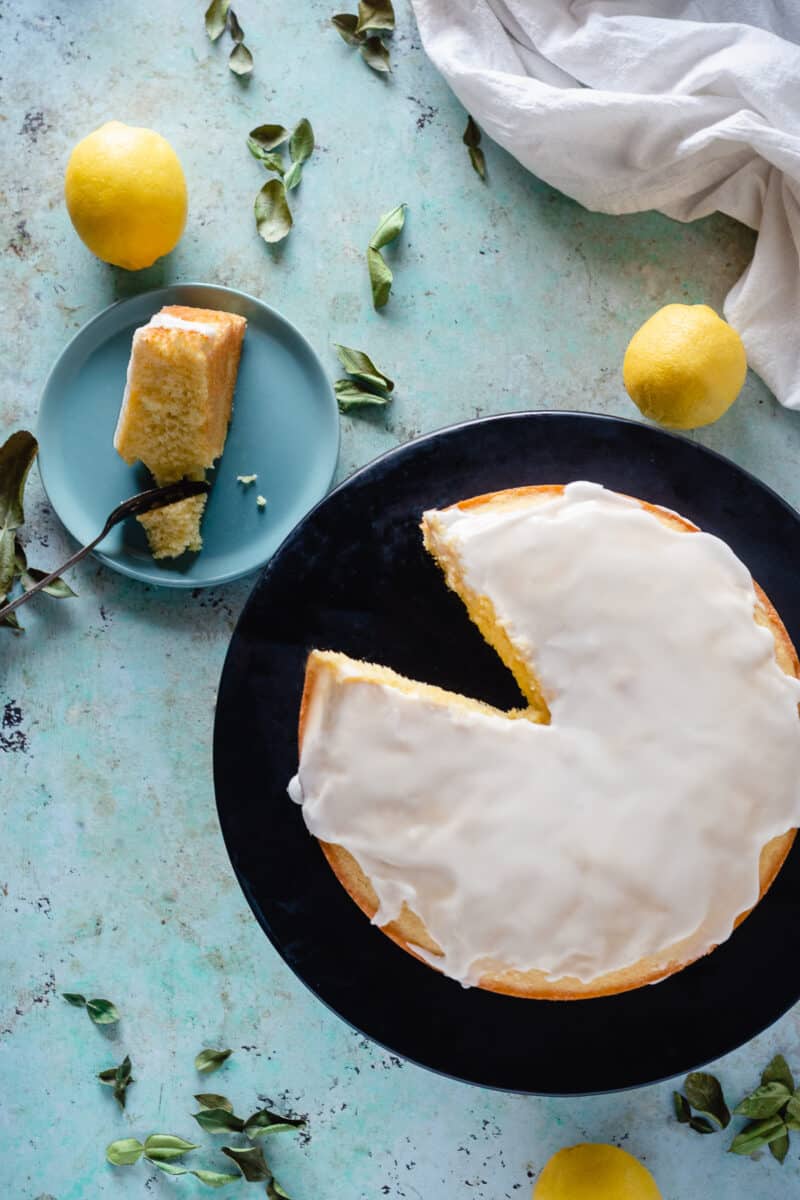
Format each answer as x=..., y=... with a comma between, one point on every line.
x=126, y=194
x=595, y=1172
x=685, y=366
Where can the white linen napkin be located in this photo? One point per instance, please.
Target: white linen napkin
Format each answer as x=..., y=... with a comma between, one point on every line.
x=665, y=104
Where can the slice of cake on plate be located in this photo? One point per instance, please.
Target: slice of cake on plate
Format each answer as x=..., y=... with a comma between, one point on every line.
x=176, y=409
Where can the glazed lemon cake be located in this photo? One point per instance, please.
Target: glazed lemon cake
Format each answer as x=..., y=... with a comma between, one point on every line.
x=628, y=815
x=176, y=409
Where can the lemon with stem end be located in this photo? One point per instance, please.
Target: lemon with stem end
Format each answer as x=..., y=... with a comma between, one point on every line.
x=595, y=1172
x=684, y=367
x=126, y=194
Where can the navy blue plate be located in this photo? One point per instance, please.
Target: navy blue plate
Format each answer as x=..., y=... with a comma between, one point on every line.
x=353, y=576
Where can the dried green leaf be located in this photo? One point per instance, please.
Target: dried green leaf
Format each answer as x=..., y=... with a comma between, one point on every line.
x=160, y=1147
x=268, y=136
x=75, y=998
x=16, y=458
x=237, y=33
x=350, y=395
x=765, y=1101
x=476, y=157
x=211, y=1060
x=375, y=54
x=12, y=621
x=167, y=1167
x=216, y=18
x=125, y=1152
x=345, y=25
x=8, y=562
x=275, y=1191
x=301, y=143
x=375, y=14
x=213, y=1100
x=240, y=60
x=380, y=277
x=701, y=1125
x=250, y=1161
x=682, y=1110
x=704, y=1093
x=793, y=1107
x=218, y=1120
x=293, y=176
x=273, y=216
x=472, y=134
x=777, y=1071
x=389, y=227
x=272, y=162
x=214, y=1179
x=58, y=588
x=757, y=1134
x=779, y=1147
x=264, y=1121
x=102, y=1012
x=119, y=1078
x=360, y=365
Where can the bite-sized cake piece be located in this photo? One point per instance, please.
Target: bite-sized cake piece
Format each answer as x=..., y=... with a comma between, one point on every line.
x=176, y=410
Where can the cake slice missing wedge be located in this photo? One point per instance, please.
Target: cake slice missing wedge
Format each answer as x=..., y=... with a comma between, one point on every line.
x=176, y=410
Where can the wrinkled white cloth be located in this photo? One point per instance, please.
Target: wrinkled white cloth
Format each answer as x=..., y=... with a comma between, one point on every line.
x=664, y=104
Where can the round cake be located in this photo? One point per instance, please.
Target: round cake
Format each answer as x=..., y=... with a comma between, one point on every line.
x=628, y=815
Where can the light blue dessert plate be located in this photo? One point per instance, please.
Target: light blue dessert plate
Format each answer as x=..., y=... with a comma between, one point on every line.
x=284, y=429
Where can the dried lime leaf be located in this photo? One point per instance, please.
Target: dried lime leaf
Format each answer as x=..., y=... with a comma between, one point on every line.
x=272, y=162
x=268, y=136
x=472, y=134
x=102, y=1012
x=167, y=1167
x=293, y=176
x=389, y=227
x=213, y=1100
x=701, y=1125
x=345, y=25
x=765, y=1101
x=704, y=1093
x=779, y=1147
x=273, y=216
x=264, y=1121
x=216, y=18
x=777, y=1071
x=218, y=1120
x=380, y=277
x=210, y=1060
x=275, y=1191
x=119, y=1078
x=350, y=395
x=359, y=364
x=75, y=998
x=240, y=60
x=682, y=1110
x=757, y=1134
x=125, y=1152
x=375, y=54
x=250, y=1161
x=58, y=588
x=301, y=143
x=793, y=1108
x=478, y=161
x=375, y=14
x=214, y=1179
x=237, y=33
x=160, y=1147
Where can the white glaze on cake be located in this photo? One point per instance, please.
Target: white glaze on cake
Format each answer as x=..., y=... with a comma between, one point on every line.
x=632, y=821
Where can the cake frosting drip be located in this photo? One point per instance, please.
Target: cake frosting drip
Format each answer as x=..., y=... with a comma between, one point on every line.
x=163, y=320
x=631, y=822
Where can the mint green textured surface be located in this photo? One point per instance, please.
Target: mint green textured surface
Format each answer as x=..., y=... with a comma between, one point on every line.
x=113, y=877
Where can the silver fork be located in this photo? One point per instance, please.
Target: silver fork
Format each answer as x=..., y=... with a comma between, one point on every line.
x=143, y=502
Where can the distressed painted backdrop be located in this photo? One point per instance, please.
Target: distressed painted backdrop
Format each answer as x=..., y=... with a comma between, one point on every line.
x=113, y=876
